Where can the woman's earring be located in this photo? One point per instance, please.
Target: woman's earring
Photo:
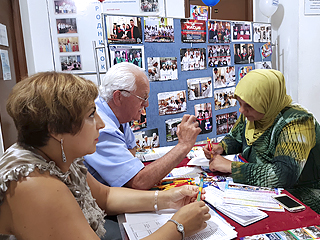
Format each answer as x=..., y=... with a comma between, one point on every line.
x=64, y=159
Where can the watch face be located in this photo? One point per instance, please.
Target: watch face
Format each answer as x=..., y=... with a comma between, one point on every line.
x=180, y=227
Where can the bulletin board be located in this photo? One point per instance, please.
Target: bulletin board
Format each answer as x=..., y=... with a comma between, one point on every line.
x=172, y=48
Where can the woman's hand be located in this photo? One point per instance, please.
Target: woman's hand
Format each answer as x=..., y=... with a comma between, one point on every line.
x=215, y=149
x=220, y=164
x=180, y=196
x=193, y=217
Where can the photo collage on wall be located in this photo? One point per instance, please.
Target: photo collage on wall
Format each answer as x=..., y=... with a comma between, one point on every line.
x=68, y=38
x=197, y=66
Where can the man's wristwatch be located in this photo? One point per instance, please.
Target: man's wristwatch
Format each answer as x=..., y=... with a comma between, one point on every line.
x=180, y=227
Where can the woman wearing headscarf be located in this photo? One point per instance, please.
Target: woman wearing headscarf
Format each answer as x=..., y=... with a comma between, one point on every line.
x=280, y=140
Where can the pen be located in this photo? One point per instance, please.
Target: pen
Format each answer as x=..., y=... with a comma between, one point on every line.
x=200, y=189
x=209, y=146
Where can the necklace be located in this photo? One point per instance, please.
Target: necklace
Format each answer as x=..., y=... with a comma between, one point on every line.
x=48, y=158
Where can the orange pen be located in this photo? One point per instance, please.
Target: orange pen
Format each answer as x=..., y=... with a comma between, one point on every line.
x=209, y=146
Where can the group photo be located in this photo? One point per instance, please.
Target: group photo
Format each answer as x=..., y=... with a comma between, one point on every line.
x=121, y=29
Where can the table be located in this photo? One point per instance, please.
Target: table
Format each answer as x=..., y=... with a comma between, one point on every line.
x=277, y=221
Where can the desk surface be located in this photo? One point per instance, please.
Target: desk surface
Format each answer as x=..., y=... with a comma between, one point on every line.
x=277, y=221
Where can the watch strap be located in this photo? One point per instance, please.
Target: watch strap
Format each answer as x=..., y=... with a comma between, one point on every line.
x=180, y=227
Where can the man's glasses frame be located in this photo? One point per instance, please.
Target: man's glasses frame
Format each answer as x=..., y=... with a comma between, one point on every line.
x=141, y=98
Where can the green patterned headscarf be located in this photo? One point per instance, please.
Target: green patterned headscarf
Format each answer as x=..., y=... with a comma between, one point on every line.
x=265, y=91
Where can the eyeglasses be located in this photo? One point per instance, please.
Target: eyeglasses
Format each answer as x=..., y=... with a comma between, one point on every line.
x=141, y=98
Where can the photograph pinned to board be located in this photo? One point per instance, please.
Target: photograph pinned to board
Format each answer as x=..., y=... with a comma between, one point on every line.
x=68, y=44
x=219, y=61
x=224, y=98
x=224, y=122
x=193, y=59
x=220, y=50
x=242, y=71
x=262, y=32
x=158, y=29
x=199, y=12
x=224, y=77
x=265, y=50
x=199, y=88
x=136, y=125
x=5, y=63
x=172, y=102
x=147, y=139
x=66, y=25
x=219, y=31
x=65, y=7
x=126, y=53
x=243, y=53
x=147, y=6
x=162, y=68
x=193, y=31
x=263, y=65
x=71, y=63
x=241, y=32
x=171, y=129
x=123, y=29
x=203, y=112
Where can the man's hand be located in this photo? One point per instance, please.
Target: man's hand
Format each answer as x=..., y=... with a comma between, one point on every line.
x=188, y=130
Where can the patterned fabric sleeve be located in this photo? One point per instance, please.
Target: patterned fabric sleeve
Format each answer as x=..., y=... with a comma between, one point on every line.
x=232, y=142
x=295, y=141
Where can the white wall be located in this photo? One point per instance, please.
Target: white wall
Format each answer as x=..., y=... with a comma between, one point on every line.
x=297, y=36
x=36, y=33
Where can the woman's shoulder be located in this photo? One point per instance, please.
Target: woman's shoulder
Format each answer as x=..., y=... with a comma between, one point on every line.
x=19, y=163
x=295, y=112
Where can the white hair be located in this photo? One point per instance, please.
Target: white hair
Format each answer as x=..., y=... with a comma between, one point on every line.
x=121, y=76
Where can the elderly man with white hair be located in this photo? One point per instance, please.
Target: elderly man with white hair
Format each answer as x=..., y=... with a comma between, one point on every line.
x=124, y=93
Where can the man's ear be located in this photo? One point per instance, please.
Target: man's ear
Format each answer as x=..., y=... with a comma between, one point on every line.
x=117, y=98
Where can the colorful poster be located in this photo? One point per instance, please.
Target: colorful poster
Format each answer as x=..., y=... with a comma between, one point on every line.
x=199, y=12
x=265, y=50
x=158, y=29
x=193, y=31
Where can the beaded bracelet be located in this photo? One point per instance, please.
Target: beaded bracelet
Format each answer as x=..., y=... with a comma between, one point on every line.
x=156, y=193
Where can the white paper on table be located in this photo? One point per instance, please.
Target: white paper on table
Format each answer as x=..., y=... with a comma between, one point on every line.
x=142, y=225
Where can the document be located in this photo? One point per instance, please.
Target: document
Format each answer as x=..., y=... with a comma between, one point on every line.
x=140, y=225
x=244, y=215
